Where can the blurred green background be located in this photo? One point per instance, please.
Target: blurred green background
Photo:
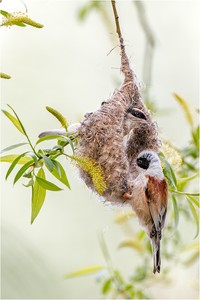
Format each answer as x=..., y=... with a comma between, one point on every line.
x=65, y=65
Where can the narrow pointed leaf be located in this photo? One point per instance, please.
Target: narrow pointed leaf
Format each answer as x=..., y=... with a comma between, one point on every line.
x=47, y=184
x=38, y=196
x=18, y=119
x=182, y=181
x=68, y=140
x=59, y=173
x=34, y=157
x=15, y=122
x=22, y=170
x=48, y=163
x=10, y=158
x=47, y=137
x=4, y=13
x=169, y=173
x=85, y=271
x=196, y=217
x=194, y=200
x=176, y=211
x=13, y=147
x=14, y=163
x=184, y=105
x=107, y=286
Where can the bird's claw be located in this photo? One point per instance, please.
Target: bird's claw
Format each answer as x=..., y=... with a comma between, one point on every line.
x=127, y=196
x=153, y=232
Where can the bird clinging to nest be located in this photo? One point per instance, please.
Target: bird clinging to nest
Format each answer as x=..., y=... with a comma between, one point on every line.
x=122, y=140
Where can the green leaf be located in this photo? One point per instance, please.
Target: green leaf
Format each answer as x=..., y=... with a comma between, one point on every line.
x=48, y=163
x=13, y=147
x=47, y=137
x=184, y=193
x=176, y=211
x=169, y=173
x=38, y=196
x=182, y=181
x=15, y=122
x=14, y=163
x=107, y=286
x=10, y=158
x=4, y=13
x=69, y=141
x=22, y=170
x=195, y=135
x=85, y=271
x=20, y=123
x=184, y=105
x=47, y=184
x=59, y=173
x=194, y=200
x=34, y=157
x=196, y=217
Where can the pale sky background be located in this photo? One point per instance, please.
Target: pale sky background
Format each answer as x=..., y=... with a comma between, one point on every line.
x=65, y=66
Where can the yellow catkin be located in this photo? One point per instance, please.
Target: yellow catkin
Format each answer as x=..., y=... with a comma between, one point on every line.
x=58, y=116
x=172, y=155
x=5, y=76
x=88, y=165
x=17, y=18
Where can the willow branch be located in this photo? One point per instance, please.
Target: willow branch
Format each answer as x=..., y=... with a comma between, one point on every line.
x=125, y=66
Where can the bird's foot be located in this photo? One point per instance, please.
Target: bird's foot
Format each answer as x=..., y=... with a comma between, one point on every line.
x=153, y=232
x=127, y=196
x=127, y=189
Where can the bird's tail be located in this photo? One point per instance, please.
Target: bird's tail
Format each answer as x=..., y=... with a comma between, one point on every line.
x=155, y=242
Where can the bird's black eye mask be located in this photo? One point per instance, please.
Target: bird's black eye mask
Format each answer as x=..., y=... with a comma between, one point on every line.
x=136, y=113
x=144, y=161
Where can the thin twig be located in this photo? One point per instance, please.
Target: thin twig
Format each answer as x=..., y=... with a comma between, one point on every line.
x=125, y=67
x=118, y=30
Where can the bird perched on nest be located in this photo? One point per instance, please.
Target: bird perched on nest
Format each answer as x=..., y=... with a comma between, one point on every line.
x=149, y=199
x=122, y=139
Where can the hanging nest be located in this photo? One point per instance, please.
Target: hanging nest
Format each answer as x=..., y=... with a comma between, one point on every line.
x=115, y=134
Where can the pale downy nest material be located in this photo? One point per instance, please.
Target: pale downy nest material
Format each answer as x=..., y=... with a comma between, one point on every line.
x=116, y=133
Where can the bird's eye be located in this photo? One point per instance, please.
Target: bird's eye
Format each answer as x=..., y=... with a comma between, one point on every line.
x=143, y=163
x=136, y=113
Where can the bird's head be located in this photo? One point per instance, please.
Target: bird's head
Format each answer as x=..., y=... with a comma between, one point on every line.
x=134, y=117
x=149, y=164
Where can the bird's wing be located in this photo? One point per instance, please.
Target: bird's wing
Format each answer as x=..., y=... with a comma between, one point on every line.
x=157, y=199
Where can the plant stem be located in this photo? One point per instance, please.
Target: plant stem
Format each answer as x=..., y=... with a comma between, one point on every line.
x=184, y=193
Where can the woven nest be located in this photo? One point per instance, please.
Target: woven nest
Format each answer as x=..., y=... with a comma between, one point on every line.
x=115, y=134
